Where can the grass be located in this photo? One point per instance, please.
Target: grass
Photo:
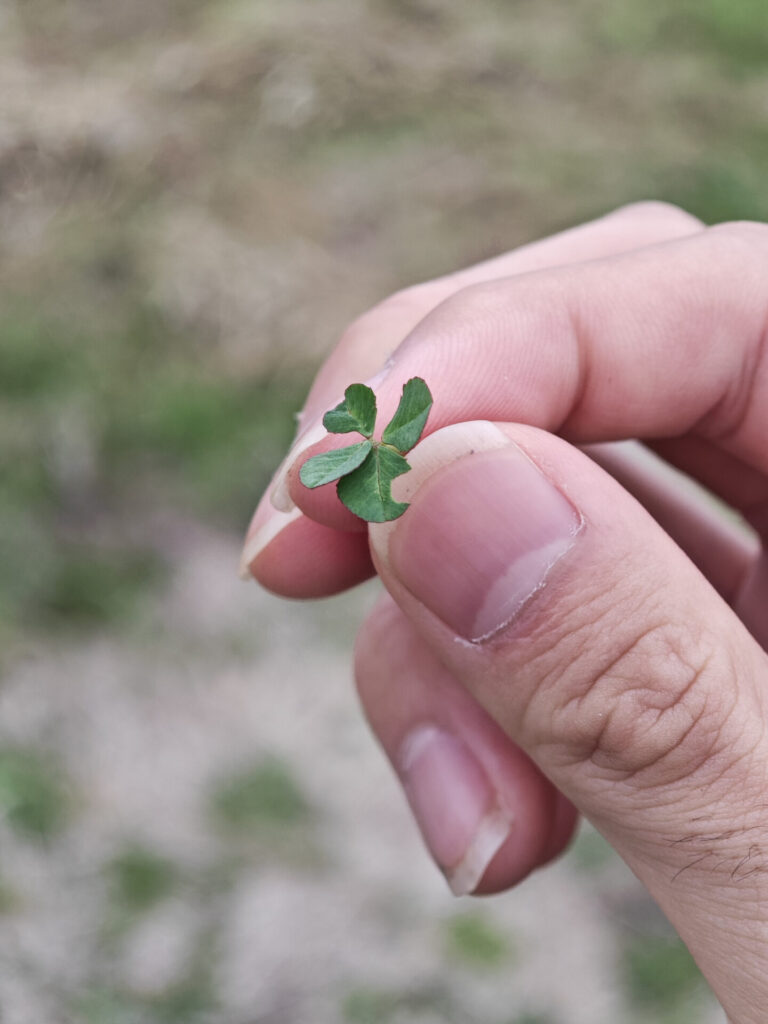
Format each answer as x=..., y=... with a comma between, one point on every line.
x=369, y=1006
x=102, y=1006
x=533, y=1018
x=366, y=1004
x=210, y=444
x=10, y=900
x=259, y=796
x=733, y=36
x=660, y=974
x=188, y=1002
x=139, y=879
x=34, y=795
x=95, y=430
x=261, y=814
x=724, y=188
x=473, y=940
x=89, y=587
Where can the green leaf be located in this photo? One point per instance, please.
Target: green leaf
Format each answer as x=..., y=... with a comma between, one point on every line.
x=405, y=428
x=367, y=490
x=356, y=412
x=322, y=469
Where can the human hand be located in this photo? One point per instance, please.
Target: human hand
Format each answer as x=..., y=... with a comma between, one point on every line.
x=545, y=642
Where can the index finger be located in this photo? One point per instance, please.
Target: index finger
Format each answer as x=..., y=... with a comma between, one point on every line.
x=279, y=538
x=660, y=342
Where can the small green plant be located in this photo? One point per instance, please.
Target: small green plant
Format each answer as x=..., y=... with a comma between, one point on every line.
x=258, y=796
x=365, y=471
x=33, y=799
x=473, y=939
x=660, y=973
x=140, y=878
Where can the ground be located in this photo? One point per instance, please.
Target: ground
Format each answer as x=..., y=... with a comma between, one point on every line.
x=195, y=197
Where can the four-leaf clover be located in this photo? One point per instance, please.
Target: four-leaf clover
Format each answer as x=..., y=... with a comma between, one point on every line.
x=365, y=470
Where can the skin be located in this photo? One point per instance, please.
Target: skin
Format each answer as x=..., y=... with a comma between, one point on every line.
x=632, y=688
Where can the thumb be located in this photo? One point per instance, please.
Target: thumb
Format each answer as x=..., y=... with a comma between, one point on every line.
x=563, y=607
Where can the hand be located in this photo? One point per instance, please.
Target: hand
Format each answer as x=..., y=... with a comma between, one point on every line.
x=545, y=642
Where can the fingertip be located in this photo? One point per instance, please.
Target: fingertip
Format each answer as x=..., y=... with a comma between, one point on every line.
x=321, y=504
x=307, y=560
x=538, y=834
x=565, y=819
x=487, y=814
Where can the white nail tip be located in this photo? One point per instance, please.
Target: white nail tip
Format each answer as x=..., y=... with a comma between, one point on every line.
x=263, y=536
x=490, y=836
x=279, y=495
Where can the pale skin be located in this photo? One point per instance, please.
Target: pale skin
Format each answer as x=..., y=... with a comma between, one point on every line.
x=559, y=646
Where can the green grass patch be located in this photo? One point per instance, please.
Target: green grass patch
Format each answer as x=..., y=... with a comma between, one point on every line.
x=91, y=587
x=718, y=190
x=163, y=418
x=69, y=584
x=33, y=793
x=34, y=359
x=660, y=973
x=139, y=879
x=734, y=35
x=10, y=900
x=370, y=1005
x=188, y=1001
x=162, y=427
x=209, y=444
x=258, y=796
x=103, y=1006
x=533, y=1018
x=474, y=940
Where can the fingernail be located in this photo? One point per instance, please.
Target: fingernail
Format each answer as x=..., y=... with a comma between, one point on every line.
x=279, y=495
x=454, y=804
x=481, y=538
x=259, y=536
x=310, y=434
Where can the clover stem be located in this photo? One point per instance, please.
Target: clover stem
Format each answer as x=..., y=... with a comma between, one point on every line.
x=383, y=444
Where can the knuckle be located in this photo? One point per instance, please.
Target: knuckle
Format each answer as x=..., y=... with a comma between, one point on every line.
x=469, y=300
x=658, y=711
x=459, y=318
x=389, y=319
x=738, y=240
x=737, y=252
x=487, y=308
x=663, y=212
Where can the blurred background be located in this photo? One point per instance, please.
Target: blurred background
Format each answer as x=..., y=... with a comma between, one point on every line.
x=195, y=197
